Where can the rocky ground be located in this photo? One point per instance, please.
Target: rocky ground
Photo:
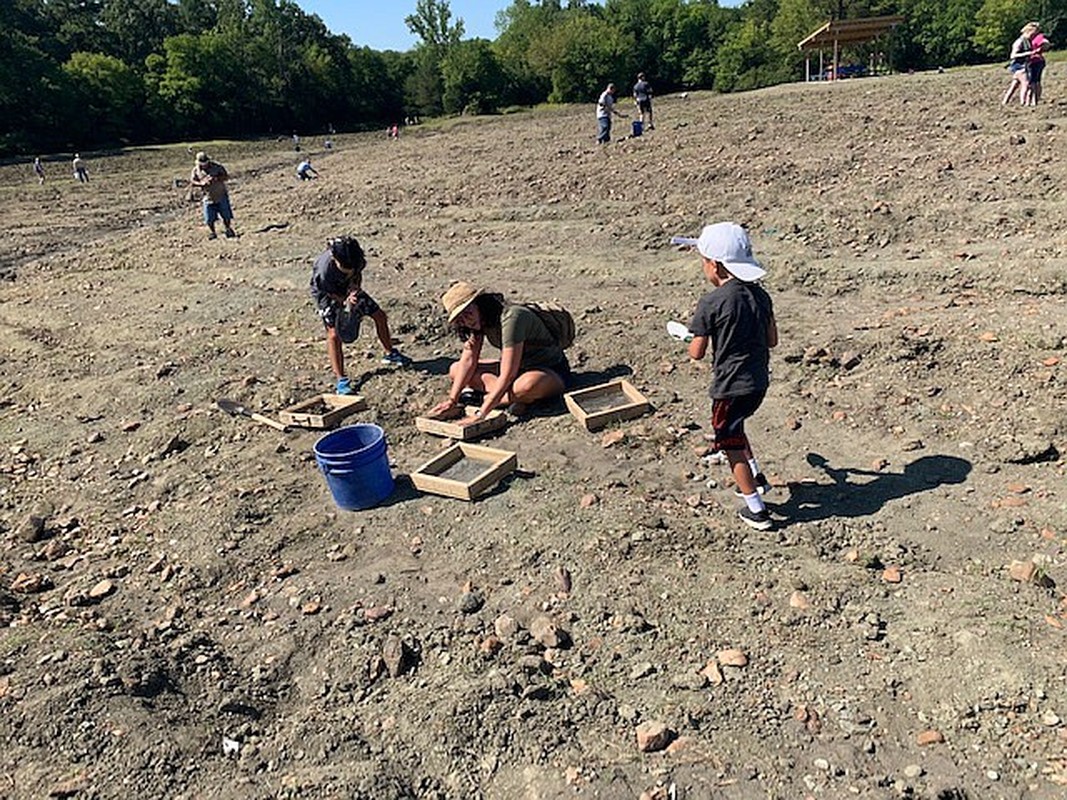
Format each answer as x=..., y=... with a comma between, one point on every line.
x=185, y=614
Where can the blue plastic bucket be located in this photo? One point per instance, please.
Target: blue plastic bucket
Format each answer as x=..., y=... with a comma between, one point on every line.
x=639, y=127
x=354, y=462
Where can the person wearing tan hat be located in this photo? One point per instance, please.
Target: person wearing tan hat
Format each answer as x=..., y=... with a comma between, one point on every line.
x=210, y=177
x=532, y=364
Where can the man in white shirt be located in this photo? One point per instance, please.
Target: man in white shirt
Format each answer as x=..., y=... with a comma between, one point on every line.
x=605, y=107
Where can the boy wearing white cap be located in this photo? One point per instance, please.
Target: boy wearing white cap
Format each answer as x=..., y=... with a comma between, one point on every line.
x=737, y=319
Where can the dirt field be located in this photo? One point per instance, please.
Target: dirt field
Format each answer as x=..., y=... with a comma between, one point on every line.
x=191, y=617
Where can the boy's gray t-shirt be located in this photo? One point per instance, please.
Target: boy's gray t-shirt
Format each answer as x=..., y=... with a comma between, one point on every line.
x=735, y=318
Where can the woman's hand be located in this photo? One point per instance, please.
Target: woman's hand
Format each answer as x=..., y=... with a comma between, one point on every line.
x=442, y=408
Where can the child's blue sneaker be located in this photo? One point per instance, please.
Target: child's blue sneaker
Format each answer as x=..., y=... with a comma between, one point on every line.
x=396, y=358
x=344, y=386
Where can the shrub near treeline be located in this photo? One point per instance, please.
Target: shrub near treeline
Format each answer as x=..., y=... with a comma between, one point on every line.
x=84, y=73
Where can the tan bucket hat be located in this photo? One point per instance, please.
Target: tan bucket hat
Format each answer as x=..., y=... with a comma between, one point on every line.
x=460, y=295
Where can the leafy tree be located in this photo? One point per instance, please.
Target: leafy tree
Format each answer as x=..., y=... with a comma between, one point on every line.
x=520, y=24
x=581, y=55
x=138, y=27
x=432, y=23
x=473, y=78
x=75, y=25
x=998, y=23
x=110, y=96
x=937, y=33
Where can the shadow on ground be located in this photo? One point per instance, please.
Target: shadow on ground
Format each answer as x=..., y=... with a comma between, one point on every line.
x=849, y=497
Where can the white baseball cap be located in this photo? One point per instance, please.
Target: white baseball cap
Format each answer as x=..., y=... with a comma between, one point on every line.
x=727, y=243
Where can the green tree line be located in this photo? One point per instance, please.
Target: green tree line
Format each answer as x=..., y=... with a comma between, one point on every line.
x=77, y=74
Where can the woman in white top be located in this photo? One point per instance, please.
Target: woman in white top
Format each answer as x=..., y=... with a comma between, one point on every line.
x=1020, y=54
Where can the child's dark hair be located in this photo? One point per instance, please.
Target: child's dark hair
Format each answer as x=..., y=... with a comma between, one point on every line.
x=348, y=253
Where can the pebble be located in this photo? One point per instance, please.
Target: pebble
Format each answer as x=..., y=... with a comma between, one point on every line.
x=31, y=529
x=1050, y=718
x=101, y=589
x=471, y=602
x=712, y=672
x=545, y=631
x=993, y=775
x=913, y=771
x=822, y=764
x=653, y=736
x=929, y=737
x=892, y=575
x=732, y=657
x=642, y=670
x=506, y=627
x=588, y=500
x=1022, y=571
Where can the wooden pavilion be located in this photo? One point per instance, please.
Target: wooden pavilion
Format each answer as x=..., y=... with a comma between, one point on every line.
x=838, y=32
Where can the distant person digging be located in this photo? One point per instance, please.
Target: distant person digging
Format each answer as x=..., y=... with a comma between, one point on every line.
x=337, y=286
x=643, y=100
x=210, y=177
x=38, y=169
x=305, y=171
x=605, y=108
x=531, y=340
x=81, y=173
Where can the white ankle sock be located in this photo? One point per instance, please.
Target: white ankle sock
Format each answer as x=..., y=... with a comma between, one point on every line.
x=754, y=502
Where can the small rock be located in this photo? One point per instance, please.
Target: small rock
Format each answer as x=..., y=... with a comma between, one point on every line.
x=641, y=670
x=130, y=426
x=545, y=631
x=732, y=657
x=913, y=771
x=653, y=736
x=928, y=737
x=821, y=764
x=993, y=775
x=892, y=575
x=612, y=438
x=850, y=360
x=396, y=656
x=588, y=500
x=1022, y=571
x=799, y=601
x=506, y=627
x=563, y=579
x=471, y=602
x=1050, y=718
x=31, y=583
x=712, y=672
x=31, y=529
x=377, y=613
x=312, y=606
x=792, y=424
x=490, y=645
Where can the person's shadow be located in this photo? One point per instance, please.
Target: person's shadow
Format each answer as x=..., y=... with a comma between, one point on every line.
x=809, y=502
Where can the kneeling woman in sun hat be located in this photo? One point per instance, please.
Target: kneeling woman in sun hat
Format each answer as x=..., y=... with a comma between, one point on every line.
x=532, y=365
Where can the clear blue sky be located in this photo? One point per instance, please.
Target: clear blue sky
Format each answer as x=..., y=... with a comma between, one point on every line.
x=380, y=23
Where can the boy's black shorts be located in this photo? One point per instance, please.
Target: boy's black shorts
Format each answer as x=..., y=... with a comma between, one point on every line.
x=728, y=415
x=345, y=318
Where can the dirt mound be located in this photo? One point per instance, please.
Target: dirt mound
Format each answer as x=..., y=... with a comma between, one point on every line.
x=184, y=613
